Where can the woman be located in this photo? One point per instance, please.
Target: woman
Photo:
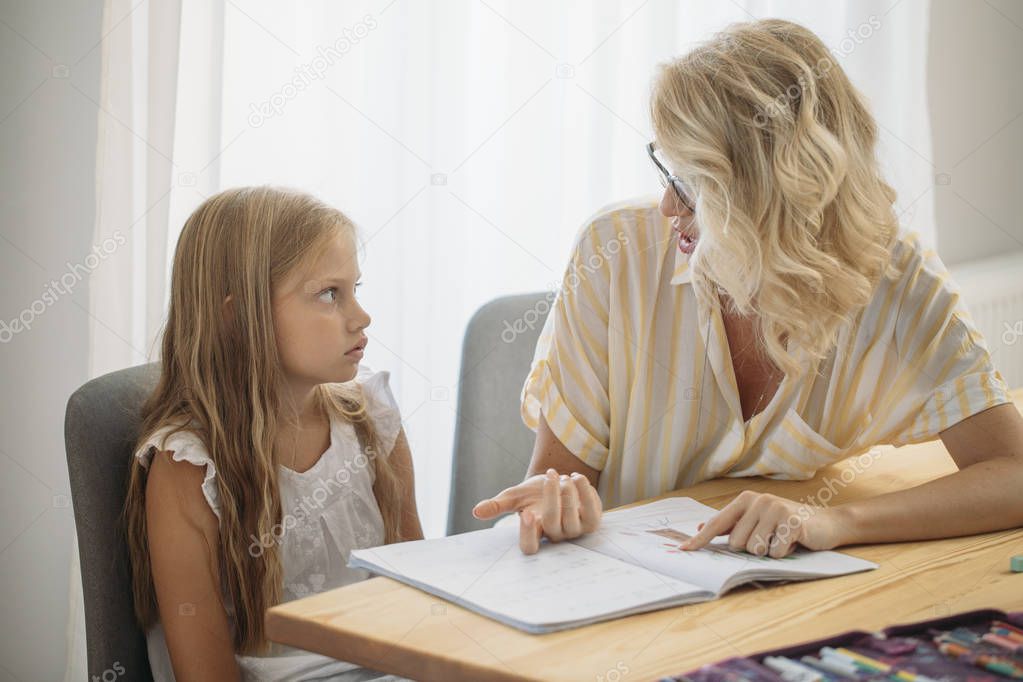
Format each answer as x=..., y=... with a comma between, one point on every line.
x=766, y=319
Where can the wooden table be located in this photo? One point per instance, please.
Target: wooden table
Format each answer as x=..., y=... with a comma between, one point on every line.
x=386, y=625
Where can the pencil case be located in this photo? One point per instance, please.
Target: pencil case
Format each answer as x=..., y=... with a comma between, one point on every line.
x=908, y=648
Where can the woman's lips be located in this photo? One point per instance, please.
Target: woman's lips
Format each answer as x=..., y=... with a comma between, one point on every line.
x=686, y=242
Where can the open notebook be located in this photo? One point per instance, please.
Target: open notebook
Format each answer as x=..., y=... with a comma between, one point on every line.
x=630, y=565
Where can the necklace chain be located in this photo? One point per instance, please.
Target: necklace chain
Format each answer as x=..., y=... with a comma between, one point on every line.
x=294, y=449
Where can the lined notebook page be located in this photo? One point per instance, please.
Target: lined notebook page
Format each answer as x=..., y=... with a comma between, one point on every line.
x=649, y=535
x=560, y=584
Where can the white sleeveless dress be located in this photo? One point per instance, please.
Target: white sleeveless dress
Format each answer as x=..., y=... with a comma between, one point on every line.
x=327, y=511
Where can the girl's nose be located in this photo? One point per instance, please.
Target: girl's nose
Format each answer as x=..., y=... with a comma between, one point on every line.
x=360, y=319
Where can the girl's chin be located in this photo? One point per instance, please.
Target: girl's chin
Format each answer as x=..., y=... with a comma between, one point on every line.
x=344, y=374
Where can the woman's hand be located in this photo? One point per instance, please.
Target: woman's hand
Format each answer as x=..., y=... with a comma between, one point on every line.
x=765, y=524
x=560, y=507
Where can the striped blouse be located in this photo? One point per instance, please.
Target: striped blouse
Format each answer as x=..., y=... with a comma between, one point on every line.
x=634, y=375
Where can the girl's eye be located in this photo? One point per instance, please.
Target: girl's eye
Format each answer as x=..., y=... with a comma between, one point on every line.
x=328, y=295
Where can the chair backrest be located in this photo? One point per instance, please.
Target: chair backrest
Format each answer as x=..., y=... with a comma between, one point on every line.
x=492, y=445
x=100, y=428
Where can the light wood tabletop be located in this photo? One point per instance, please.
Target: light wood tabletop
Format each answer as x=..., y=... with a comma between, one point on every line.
x=386, y=625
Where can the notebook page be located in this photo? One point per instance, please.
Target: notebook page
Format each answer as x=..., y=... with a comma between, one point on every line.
x=649, y=535
x=562, y=583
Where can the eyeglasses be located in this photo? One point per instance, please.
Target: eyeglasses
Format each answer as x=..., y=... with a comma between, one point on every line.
x=666, y=177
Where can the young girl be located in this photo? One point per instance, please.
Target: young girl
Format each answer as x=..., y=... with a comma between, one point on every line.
x=266, y=453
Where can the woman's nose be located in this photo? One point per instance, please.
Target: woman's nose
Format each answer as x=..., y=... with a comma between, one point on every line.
x=671, y=206
x=667, y=210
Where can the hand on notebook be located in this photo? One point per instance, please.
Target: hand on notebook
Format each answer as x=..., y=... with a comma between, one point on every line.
x=765, y=524
x=560, y=507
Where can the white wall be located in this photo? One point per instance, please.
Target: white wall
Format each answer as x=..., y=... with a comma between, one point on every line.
x=47, y=147
x=47, y=143
x=976, y=101
x=976, y=97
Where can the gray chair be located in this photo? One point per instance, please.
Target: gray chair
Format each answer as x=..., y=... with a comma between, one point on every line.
x=492, y=445
x=100, y=427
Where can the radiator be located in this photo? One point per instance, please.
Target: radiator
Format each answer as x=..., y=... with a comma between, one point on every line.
x=993, y=291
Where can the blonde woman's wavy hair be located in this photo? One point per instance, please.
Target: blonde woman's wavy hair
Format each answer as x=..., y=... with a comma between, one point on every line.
x=778, y=147
x=220, y=379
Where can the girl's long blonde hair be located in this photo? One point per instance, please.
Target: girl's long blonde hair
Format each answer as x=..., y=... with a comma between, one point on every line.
x=795, y=220
x=220, y=377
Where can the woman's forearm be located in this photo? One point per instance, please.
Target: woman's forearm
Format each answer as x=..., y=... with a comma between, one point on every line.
x=983, y=497
x=550, y=453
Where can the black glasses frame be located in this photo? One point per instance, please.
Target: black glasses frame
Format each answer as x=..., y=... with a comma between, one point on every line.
x=667, y=177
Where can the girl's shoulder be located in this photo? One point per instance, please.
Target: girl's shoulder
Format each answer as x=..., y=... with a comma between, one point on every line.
x=380, y=403
x=185, y=445
x=376, y=388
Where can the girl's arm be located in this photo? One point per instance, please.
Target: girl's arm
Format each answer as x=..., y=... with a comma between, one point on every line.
x=183, y=539
x=401, y=460
x=982, y=496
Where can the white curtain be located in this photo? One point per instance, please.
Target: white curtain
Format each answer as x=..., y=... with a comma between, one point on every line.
x=157, y=152
x=470, y=139
x=467, y=138
x=157, y=156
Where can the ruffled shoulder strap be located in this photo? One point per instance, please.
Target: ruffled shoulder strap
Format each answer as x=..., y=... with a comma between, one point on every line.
x=185, y=446
x=381, y=406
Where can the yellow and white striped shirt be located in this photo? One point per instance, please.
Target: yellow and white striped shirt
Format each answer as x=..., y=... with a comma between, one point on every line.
x=635, y=377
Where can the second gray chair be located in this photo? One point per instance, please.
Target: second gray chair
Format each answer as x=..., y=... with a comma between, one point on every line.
x=492, y=445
